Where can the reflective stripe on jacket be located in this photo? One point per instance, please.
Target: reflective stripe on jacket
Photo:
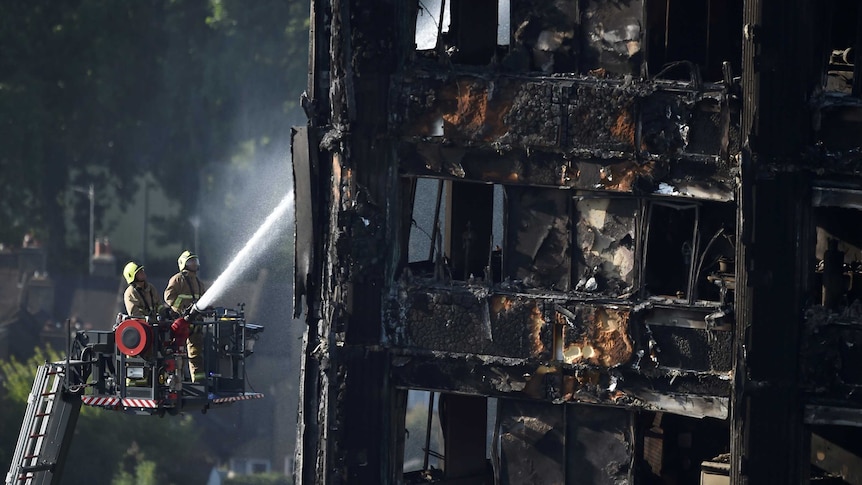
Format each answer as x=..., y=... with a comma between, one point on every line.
x=183, y=290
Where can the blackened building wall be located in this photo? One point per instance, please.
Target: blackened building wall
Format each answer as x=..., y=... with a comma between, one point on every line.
x=639, y=260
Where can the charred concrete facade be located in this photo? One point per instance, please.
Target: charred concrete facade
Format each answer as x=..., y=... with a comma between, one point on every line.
x=617, y=240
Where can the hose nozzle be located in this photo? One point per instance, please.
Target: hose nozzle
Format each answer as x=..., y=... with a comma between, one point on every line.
x=192, y=312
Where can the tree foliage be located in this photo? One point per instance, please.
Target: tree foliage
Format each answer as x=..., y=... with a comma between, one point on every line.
x=196, y=92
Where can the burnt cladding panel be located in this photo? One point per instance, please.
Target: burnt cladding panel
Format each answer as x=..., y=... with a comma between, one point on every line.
x=706, y=128
x=598, y=445
x=594, y=335
x=459, y=321
x=537, y=237
x=664, y=123
x=599, y=116
x=604, y=236
x=693, y=349
x=532, y=442
x=536, y=116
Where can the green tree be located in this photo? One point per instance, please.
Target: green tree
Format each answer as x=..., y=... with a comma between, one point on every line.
x=198, y=92
x=145, y=474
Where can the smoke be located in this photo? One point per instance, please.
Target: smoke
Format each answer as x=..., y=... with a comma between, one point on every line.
x=268, y=232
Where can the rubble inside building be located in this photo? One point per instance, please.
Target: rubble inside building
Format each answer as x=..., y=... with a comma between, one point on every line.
x=581, y=242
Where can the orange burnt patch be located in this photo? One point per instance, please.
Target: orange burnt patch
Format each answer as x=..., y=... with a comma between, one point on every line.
x=605, y=340
x=537, y=323
x=623, y=176
x=476, y=116
x=624, y=128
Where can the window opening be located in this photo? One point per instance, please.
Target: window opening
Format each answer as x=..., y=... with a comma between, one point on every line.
x=694, y=35
x=434, y=19
x=428, y=23
x=456, y=229
x=670, y=245
x=468, y=236
x=427, y=218
x=682, y=448
x=503, y=23
x=422, y=448
x=845, y=39
x=690, y=252
x=537, y=237
x=497, y=229
x=714, y=273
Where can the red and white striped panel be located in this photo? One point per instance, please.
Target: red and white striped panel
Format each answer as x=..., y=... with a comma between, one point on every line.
x=102, y=401
x=243, y=397
x=140, y=403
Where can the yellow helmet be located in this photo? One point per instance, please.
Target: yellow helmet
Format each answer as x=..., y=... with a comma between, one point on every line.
x=187, y=255
x=130, y=271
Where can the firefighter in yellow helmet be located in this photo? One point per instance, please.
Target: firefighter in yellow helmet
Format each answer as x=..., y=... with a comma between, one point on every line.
x=184, y=290
x=141, y=297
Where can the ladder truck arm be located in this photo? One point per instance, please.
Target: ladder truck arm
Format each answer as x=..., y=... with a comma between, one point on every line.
x=52, y=411
x=135, y=368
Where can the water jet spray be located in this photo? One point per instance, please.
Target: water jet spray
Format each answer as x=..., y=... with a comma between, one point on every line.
x=263, y=237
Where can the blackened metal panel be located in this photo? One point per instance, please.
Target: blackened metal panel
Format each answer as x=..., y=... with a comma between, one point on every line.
x=303, y=182
x=692, y=348
x=360, y=416
x=840, y=126
x=831, y=352
x=459, y=320
x=600, y=116
x=463, y=420
x=536, y=116
x=536, y=247
x=532, y=443
x=613, y=36
x=706, y=127
x=599, y=445
x=664, y=123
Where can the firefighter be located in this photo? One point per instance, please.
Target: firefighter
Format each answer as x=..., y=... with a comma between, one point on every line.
x=184, y=290
x=141, y=297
